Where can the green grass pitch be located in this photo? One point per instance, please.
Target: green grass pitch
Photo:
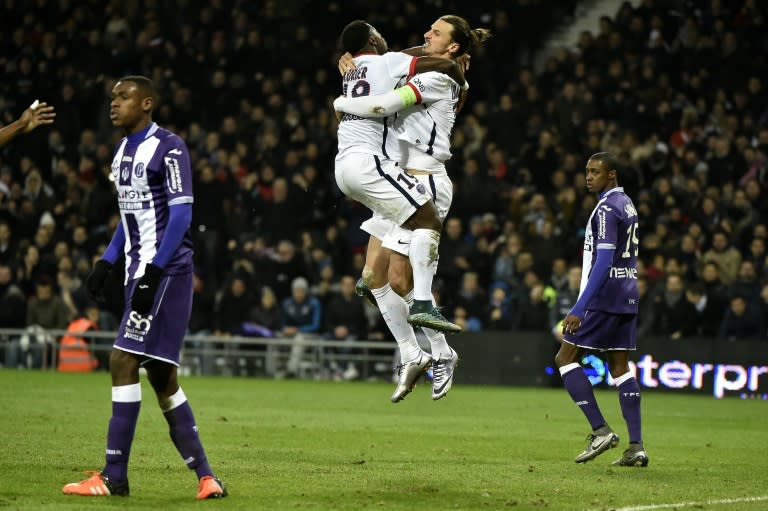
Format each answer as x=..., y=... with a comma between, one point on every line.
x=284, y=445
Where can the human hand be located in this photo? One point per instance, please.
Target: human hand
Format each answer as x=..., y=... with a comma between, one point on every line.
x=37, y=114
x=146, y=288
x=346, y=63
x=463, y=62
x=571, y=324
x=94, y=283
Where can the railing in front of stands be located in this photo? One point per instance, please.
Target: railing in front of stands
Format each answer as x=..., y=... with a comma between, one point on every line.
x=303, y=356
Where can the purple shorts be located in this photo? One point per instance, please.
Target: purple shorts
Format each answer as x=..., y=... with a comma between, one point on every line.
x=160, y=333
x=603, y=331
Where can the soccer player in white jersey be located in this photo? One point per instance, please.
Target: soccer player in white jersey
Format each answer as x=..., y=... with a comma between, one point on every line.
x=428, y=104
x=366, y=163
x=152, y=174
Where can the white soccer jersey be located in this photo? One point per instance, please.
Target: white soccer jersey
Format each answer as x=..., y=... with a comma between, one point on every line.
x=373, y=75
x=425, y=129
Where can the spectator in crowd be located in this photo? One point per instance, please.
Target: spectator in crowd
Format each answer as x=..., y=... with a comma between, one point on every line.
x=266, y=313
x=233, y=307
x=203, y=305
x=725, y=255
x=709, y=312
x=715, y=290
x=534, y=310
x=565, y=298
x=472, y=298
x=741, y=321
x=47, y=309
x=500, y=312
x=7, y=246
x=646, y=313
x=345, y=321
x=13, y=303
x=675, y=316
x=746, y=283
x=302, y=315
x=758, y=255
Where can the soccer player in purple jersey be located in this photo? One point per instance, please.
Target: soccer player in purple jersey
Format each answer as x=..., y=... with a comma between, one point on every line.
x=153, y=178
x=604, y=317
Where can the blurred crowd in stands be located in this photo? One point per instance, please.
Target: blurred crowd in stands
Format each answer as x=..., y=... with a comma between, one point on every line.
x=677, y=89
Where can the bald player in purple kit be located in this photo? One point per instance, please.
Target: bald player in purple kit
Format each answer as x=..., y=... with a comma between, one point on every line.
x=152, y=174
x=604, y=317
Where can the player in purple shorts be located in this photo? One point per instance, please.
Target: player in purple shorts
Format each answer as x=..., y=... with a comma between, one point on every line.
x=153, y=177
x=604, y=317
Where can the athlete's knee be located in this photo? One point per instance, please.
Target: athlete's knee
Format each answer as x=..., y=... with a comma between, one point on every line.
x=163, y=379
x=371, y=279
x=400, y=287
x=123, y=367
x=618, y=364
x=399, y=276
x=567, y=354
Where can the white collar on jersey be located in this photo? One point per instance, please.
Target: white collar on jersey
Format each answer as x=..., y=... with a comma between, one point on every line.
x=617, y=189
x=144, y=134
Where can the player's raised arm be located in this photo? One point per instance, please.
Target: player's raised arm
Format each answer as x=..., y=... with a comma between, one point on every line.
x=38, y=114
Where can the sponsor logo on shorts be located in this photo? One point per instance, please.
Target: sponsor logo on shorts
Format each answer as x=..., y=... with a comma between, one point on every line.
x=137, y=326
x=623, y=273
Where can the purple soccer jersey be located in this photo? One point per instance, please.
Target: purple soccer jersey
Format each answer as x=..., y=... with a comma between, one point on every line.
x=151, y=174
x=613, y=225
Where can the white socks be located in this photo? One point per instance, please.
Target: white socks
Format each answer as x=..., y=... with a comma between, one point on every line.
x=127, y=393
x=395, y=313
x=423, y=258
x=440, y=348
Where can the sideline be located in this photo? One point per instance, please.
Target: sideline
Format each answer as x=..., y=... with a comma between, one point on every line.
x=690, y=504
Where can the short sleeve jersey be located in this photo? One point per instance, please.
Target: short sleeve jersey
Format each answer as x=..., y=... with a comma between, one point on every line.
x=613, y=225
x=427, y=126
x=373, y=75
x=151, y=173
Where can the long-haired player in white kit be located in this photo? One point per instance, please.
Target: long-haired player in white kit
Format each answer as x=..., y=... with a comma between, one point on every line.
x=366, y=163
x=428, y=104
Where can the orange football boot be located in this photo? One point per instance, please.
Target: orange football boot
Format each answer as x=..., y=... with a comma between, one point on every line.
x=210, y=487
x=98, y=485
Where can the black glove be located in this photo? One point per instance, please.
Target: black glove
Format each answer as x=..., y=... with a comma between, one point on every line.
x=94, y=283
x=144, y=293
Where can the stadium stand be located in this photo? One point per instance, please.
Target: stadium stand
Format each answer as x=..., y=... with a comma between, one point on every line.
x=677, y=89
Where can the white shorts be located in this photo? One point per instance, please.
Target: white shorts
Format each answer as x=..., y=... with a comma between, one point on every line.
x=398, y=238
x=381, y=186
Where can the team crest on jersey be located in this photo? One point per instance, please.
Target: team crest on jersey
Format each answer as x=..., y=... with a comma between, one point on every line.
x=138, y=171
x=420, y=188
x=125, y=173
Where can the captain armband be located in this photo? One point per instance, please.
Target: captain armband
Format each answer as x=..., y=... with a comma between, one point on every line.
x=407, y=95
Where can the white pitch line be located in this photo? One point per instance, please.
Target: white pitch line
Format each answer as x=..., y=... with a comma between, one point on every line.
x=676, y=505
